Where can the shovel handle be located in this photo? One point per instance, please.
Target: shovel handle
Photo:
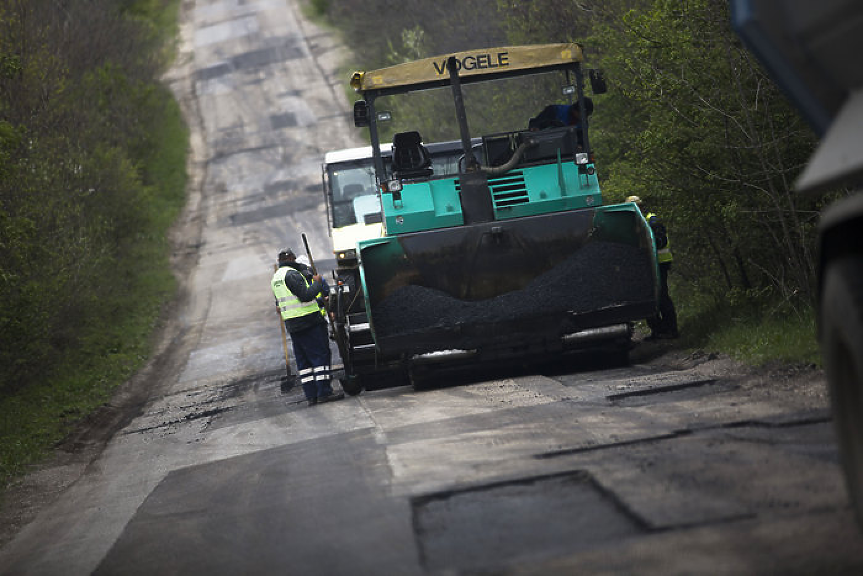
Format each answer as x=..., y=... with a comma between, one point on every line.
x=309, y=254
x=284, y=336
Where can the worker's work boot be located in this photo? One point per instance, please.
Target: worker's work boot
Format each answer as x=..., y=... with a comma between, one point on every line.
x=313, y=401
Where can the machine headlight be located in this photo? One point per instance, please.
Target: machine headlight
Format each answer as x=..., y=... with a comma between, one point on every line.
x=394, y=186
x=581, y=158
x=347, y=254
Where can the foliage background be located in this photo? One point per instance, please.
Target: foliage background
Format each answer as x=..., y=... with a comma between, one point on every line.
x=92, y=173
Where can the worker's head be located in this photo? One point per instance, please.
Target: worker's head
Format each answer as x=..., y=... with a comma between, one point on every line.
x=286, y=256
x=635, y=200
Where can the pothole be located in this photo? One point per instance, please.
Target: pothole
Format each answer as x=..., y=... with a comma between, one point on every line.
x=493, y=526
x=671, y=392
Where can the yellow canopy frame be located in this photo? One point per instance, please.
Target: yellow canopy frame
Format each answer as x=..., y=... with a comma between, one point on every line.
x=471, y=63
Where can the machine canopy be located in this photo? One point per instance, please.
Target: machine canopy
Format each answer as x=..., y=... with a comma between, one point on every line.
x=432, y=72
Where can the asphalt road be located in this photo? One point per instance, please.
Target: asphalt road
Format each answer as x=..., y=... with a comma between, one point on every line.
x=680, y=463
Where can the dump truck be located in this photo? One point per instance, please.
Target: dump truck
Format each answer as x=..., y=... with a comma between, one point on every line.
x=508, y=254
x=808, y=48
x=352, y=200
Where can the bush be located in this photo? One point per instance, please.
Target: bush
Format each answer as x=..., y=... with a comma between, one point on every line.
x=92, y=173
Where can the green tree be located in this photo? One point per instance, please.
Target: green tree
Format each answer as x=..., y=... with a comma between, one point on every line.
x=79, y=106
x=713, y=143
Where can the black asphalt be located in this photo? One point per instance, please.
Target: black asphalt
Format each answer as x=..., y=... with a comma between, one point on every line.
x=316, y=507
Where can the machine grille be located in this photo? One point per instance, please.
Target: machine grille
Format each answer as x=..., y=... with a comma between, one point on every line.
x=507, y=190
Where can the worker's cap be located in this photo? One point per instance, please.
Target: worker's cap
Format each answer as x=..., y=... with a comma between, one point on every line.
x=635, y=200
x=285, y=255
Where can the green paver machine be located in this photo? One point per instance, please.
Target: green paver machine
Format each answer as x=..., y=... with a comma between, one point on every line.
x=508, y=254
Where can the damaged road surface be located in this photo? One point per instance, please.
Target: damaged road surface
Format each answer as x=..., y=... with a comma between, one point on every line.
x=678, y=463
x=672, y=465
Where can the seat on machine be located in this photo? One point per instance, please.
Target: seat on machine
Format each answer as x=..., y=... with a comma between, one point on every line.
x=410, y=157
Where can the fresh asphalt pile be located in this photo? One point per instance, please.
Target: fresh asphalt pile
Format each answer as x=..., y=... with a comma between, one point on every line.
x=599, y=275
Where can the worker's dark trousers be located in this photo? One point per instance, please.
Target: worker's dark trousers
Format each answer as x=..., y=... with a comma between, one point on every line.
x=665, y=323
x=312, y=351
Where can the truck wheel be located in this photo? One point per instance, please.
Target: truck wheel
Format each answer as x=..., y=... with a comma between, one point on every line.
x=842, y=347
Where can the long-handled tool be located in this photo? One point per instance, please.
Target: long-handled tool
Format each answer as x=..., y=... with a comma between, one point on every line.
x=309, y=254
x=289, y=379
x=312, y=265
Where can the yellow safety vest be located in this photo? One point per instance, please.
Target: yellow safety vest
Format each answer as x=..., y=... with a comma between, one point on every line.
x=663, y=255
x=289, y=305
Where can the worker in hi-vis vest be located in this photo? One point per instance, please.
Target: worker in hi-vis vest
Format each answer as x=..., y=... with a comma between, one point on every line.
x=302, y=264
x=664, y=324
x=295, y=299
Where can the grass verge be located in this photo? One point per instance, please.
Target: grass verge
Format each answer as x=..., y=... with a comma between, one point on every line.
x=789, y=340
x=752, y=329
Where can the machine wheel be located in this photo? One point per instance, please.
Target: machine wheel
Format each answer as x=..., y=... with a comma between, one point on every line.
x=352, y=386
x=842, y=348
x=618, y=356
x=419, y=379
x=622, y=357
